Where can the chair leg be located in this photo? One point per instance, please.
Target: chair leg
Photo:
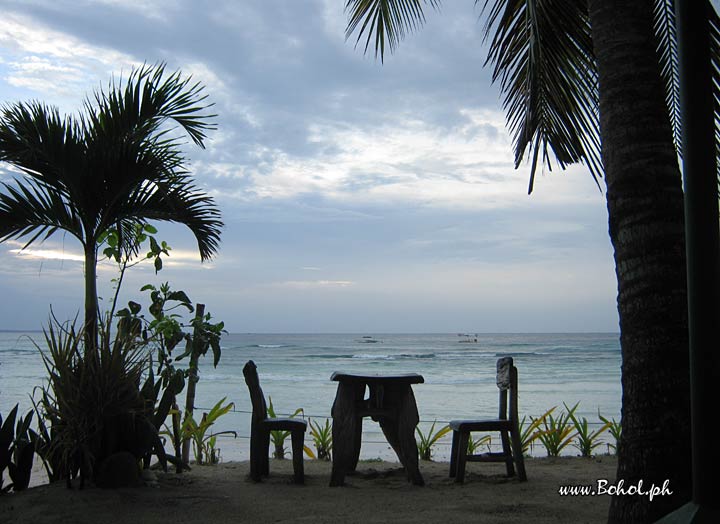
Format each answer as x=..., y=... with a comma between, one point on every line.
x=255, y=456
x=518, y=455
x=453, y=453
x=297, y=452
x=264, y=457
x=461, y=456
x=508, y=453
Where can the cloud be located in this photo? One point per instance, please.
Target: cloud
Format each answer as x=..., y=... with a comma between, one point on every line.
x=313, y=284
x=375, y=190
x=51, y=62
x=405, y=160
x=47, y=254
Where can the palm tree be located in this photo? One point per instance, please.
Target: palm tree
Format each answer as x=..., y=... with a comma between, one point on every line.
x=599, y=80
x=115, y=165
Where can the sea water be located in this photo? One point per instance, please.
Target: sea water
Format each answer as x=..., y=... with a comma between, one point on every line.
x=459, y=373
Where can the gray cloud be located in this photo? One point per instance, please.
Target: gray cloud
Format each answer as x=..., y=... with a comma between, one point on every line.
x=393, y=182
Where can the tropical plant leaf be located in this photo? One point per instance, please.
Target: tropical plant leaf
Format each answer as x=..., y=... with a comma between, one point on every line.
x=542, y=55
x=715, y=59
x=668, y=58
x=384, y=21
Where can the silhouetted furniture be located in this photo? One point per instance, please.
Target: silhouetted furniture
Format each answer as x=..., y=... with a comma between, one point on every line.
x=391, y=403
x=506, y=424
x=261, y=427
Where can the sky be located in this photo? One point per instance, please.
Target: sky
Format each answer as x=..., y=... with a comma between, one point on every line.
x=357, y=196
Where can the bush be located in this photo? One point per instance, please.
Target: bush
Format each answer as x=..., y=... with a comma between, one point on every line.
x=93, y=402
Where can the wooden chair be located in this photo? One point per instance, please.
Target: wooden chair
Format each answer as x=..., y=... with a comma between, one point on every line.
x=506, y=424
x=261, y=427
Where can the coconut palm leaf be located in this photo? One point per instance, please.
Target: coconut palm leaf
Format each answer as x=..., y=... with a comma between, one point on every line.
x=715, y=58
x=541, y=51
x=667, y=45
x=667, y=48
x=386, y=20
x=542, y=55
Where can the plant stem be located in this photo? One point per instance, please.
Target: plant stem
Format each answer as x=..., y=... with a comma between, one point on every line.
x=192, y=380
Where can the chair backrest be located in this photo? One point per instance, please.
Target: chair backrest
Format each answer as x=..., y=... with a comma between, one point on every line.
x=506, y=380
x=256, y=394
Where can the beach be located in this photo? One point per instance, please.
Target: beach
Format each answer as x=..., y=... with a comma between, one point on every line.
x=378, y=492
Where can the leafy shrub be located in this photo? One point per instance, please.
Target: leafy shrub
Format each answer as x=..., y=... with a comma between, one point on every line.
x=557, y=434
x=586, y=440
x=426, y=442
x=93, y=402
x=204, y=443
x=531, y=432
x=278, y=437
x=615, y=430
x=474, y=445
x=322, y=439
x=17, y=448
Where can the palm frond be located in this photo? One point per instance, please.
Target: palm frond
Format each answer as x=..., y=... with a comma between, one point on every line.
x=667, y=49
x=34, y=208
x=386, y=20
x=715, y=58
x=179, y=201
x=543, y=57
x=149, y=98
x=45, y=146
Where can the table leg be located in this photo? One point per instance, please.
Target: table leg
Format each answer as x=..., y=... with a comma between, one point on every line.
x=356, y=443
x=344, y=433
x=400, y=432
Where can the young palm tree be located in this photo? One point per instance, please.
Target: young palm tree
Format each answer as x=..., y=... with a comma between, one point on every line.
x=115, y=165
x=576, y=75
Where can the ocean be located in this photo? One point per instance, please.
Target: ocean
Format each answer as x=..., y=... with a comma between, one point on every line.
x=459, y=373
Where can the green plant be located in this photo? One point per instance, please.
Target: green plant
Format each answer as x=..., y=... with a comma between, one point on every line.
x=113, y=166
x=531, y=432
x=204, y=443
x=158, y=407
x=615, y=430
x=278, y=437
x=557, y=433
x=322, y=438
x=93, y=402
x=474, y=444
x=43, y=438
x=586, y=440
x=163, y=332
x=426, y=442
x=17, y=449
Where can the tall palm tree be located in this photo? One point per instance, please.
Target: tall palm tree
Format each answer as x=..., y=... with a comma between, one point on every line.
x=115, y=165
x=596, y=82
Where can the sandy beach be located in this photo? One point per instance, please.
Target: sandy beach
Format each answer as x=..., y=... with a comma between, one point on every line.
x=378, y=492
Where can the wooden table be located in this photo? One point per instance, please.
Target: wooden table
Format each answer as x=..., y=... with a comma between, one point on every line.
x=391, y=403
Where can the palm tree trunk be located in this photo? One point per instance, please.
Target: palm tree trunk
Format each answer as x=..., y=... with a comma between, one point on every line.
x=91, y=296
x=645, y=208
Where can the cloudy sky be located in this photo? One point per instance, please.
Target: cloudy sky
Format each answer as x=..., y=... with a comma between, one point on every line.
x=357, y=196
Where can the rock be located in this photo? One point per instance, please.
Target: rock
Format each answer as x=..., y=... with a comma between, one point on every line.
x=119, y=470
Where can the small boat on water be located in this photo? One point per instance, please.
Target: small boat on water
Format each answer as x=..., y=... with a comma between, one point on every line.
x=468, y=339
x=367, y=339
